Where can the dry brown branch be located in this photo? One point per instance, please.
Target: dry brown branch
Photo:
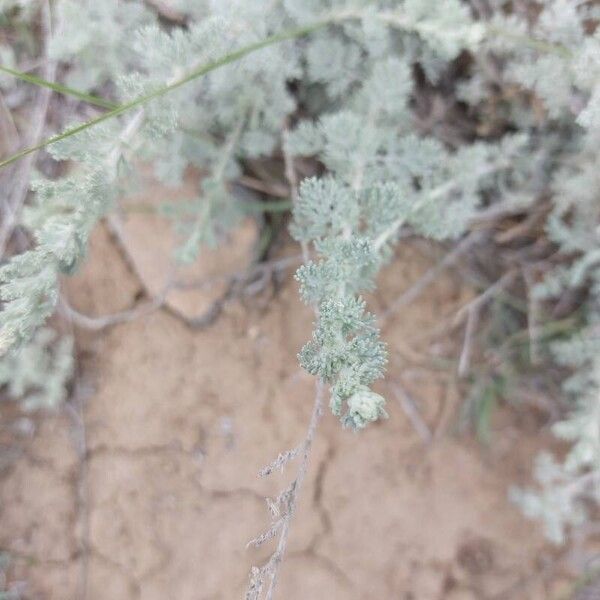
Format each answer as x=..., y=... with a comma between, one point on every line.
x=285, y=505
x=533, y=318
x=471, y=311
x=19, y=177
x=464, y=362
x=478, y=302
x=272, y=189
x=424, y=282
x=9, y=136
x=412, y=412
x=102, y=322
x=283, y=509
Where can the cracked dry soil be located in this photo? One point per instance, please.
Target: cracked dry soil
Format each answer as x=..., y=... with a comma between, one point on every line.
x=179, y=422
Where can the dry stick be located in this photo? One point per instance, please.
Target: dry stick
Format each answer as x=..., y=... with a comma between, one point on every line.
x=533, y=318
x=479, y=301
x=268, y=266
x=419, y=287
x=8, y=130
x=20, y=180
x=277, y=557
x=472, y=311
x=464, y=363
x=288, y=161
x=115, y=226
x=497, y=211
x=412, y=413
x=272, y=189
x=272, y=566
x=98, y=323
x=104, y=321
x=292, y=179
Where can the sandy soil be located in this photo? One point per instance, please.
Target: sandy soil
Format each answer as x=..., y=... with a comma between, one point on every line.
x=163, y=500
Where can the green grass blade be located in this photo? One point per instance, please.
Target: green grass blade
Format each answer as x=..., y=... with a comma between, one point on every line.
x=199, y=72
x=57, y=87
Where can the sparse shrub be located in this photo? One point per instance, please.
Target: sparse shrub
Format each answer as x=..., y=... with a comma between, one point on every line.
x=226, y=83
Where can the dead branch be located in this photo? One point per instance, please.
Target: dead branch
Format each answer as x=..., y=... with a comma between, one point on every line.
x=284, y=508
x=19, y=183
x=412, y=412
x=426, y=280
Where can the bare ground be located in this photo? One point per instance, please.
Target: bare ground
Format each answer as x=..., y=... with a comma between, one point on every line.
x=157, y=494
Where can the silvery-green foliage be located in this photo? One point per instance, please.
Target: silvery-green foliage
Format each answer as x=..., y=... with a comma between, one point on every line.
x=559, y=505
x=568, y=489
x=345, y=350
x=556, y=56
x=97, y=34
x=427, y=32
x=384, y=177
x=234, y=112
x=352, y=223
x=64, y=213
x=39, y=373
x=353, y=81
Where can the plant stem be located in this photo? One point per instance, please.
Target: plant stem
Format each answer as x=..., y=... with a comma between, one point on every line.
x=306, y=448
x=18, y=185
x=60, y=88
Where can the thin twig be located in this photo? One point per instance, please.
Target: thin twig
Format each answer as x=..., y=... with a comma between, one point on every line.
x=464, y=363
x=472, y=312
x=288, y=161
x=412, y=413
x=234, y=282
x=8, y=130
x=533, y=319
x=102, y=322
x=478, y=302
x=292, y=179
x=277, y=557
x=426, y=280
x=272, y=189
x=289, y=497
x=261, y=268
x=20, y=178
x=115, y=226
x=271, y=568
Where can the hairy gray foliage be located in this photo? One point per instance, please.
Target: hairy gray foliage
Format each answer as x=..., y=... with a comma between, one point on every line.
x=347, y=90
